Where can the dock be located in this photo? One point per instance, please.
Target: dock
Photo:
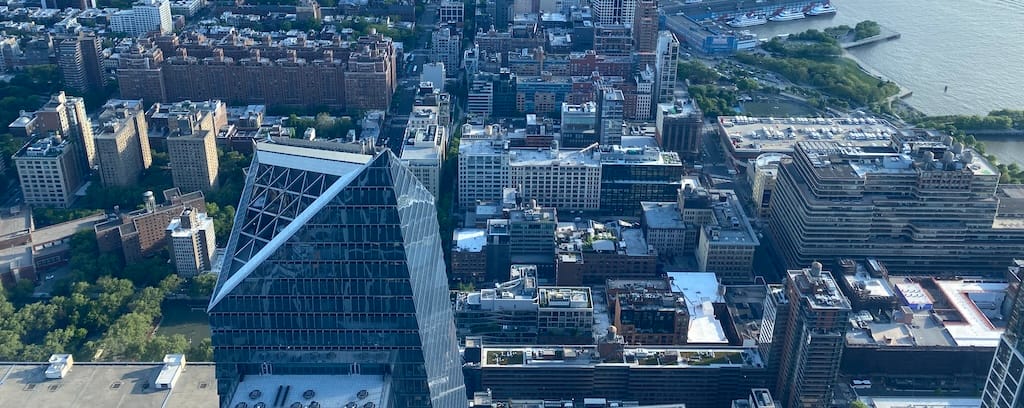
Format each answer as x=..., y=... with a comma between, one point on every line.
x=885, y=35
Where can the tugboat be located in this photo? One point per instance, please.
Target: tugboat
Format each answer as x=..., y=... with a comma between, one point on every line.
x=822, y=9
x=747, y=21
x=788, y=15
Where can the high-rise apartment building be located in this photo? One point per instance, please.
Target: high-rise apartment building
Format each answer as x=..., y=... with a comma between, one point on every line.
x=192, y=149
x=122, y=144
x=139, y=74
x=192, y=242
x=446, y=47
x=144, y=17
x=81, y=62
x=1005, y=385
x=334, y=272
x=65, y=116
x=812, y=338
x=678, y=128
x=666, y=66
x=912, y=204
x=645, y=32
x=610, y=111
x=143, y=232
x=263, y=71
x=50, y=171
x=613, y=11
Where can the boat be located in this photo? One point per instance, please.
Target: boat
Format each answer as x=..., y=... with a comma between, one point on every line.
x=822, y=9
x=788, y=15
x=748, y=21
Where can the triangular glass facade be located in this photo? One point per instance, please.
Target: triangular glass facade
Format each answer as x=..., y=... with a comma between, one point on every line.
x=337, y=272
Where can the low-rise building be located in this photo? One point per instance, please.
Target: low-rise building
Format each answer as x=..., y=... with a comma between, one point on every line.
x=590, y=253
x=647, y=312
x=701, y=377
x=142, y=232
x=28, y=253
x=521, y=312
x=727, y=244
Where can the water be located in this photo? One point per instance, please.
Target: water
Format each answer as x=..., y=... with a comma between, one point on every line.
x=975, y=47
x=1007, y=149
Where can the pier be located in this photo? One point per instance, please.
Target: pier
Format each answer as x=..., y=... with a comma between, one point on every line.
x=885, y=35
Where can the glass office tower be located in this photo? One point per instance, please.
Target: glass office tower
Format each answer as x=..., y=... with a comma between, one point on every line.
x=334, y=267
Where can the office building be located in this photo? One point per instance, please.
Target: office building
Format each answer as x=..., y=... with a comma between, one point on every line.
x=446, y=47
x=912, y=204
x=813, y=337
x=351, y=241
x=645, y=32
x=647, y=312
x=666, y=66
x=631, y=175
x=521, y=312
x=727, y=243
x=50, y=171
x=143, y=232
x=469, y=255
x=579, y=124
x=749, y=137
x=591, y=253
x=192, y=149
x=762, y=173
x=679, y=126
x=483, y=171
x=80, y=59
x=1003, y=388
x=65, y=116
x=640, y=95
x=424, y=148
x=932, y=329
x=699, y=377
x=614, y=40
x=542, y=94
x=613, y=11
x=451, y=12
x=610, y=115
x=144, y=17
x=557, y=178
x=192, y=242
x=122, y=142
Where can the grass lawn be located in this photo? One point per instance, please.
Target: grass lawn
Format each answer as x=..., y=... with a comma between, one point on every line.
x=179, y=318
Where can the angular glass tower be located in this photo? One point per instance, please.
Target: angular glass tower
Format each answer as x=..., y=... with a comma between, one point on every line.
x=334, y=267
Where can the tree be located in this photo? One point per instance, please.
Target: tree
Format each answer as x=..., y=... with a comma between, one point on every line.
x=858, y=404
x=22, y=290
x=203, y=285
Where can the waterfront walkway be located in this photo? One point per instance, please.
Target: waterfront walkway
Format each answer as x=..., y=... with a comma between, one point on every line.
x=885, y=34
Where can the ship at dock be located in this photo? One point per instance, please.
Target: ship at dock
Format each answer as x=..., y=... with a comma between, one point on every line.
x=823, y=9
x=788, y=15
x=748, y=21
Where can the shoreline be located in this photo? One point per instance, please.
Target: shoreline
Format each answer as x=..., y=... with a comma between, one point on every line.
x=900, y=98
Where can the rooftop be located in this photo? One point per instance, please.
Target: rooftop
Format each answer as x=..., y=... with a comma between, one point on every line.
x=45, y=147
x=128, y=385
x=662, y=357
x=326, y=390
x=470, y=239
x=947, y=313
x=731, y=226
x=819, y=288
x=617, y=237
x=662, y=215
x=752, y=135
x=921, y=402
x=701, y=291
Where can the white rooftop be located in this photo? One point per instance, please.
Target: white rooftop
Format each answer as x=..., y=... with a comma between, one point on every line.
x=327, y=390
x=700, y=290
x=921, y=402
x=470, y=239
x=975, y=301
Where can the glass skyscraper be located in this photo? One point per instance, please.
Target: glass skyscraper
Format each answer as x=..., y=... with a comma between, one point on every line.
x=334, y=267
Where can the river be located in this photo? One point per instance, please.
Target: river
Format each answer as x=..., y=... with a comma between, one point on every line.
x=974, y=47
